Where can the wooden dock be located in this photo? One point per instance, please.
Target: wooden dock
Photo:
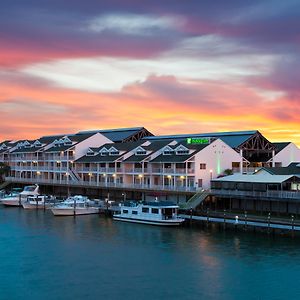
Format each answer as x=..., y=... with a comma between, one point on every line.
x=237, y=221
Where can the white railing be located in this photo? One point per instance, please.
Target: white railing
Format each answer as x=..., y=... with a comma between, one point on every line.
x=103, y=184
x=257, y=194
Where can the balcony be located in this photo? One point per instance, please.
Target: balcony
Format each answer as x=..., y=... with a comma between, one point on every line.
x=105, y=185
x=271, y=195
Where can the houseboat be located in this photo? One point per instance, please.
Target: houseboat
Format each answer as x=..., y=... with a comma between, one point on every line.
x=75, y=205
x=154, y=213
x=17, y=199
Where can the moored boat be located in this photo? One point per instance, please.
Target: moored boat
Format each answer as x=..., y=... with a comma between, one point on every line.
x=18, y=199
x=38, y=202
x=75, y=205
x=162, y=213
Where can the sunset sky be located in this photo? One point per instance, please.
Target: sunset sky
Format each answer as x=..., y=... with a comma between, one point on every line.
x=170, y=66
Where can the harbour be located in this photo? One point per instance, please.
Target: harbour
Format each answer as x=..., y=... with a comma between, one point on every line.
x=93, y=257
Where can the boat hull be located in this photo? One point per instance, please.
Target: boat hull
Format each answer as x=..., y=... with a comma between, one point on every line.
x=34, y=206
x=12, y=202
x=71, y=212
x=171, y=222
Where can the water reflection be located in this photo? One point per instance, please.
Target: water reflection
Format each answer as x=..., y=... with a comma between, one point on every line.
x=93, y=256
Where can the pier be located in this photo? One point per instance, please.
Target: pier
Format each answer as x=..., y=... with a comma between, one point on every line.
x=245, y=220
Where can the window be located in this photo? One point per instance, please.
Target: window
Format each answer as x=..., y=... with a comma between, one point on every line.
x=134, y=212
x=182, y=152
x=202, y=166
x=114, y=153
x=145, y=209
x=154, y=210
x=125, y=211
x=168, y=152
x=140, y=152
x=278, y=164
x=235, y=164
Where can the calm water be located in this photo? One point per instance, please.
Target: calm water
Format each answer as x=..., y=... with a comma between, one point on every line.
x=92, y=257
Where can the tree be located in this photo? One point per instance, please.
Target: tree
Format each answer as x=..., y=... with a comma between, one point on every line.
x=4, y=170
x=228, y=172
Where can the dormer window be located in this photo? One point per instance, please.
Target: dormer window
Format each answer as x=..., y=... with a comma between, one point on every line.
x=114, y=152
x=37, y=143
x=91, y=153
x=103, y=151
x=141, y=152
x=68, y=143
x=182, y=152
x=169, y=152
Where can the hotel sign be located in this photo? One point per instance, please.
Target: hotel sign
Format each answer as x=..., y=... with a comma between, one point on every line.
x=197, y=141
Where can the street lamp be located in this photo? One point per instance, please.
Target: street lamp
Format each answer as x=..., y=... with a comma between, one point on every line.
x=124, y=196
x=211, y=173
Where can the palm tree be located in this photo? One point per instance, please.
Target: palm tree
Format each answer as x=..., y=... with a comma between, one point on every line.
x=4, y=170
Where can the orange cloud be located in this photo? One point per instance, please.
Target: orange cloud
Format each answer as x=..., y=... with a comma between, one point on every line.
x=158, y=104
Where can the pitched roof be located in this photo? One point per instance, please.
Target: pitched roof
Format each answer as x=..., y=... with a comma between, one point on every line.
x=50, y=138
x=280, y=146
x=59, y=148
x=117, y=134
x=98, y=158
x=264, y=178
x=127, y=146
x=135, y=158
x=27, y=150
x=291, y=169
x=172, y=158
x=232, y=138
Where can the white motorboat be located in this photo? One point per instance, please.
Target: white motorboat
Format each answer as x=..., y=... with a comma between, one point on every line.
x=154, y=213
x=75, y=205
x=17, y=199
x=38, y=202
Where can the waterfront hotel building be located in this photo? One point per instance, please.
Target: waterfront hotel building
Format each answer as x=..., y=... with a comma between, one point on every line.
x=133, y=159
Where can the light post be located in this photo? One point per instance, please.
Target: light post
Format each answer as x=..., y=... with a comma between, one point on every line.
x=169, y=180
x=38, y=173
x=211, y=173
x=141, y=178
x=124, y=196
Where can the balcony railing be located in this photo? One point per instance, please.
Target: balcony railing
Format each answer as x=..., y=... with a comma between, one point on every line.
x=103, y=184
x=257, y=195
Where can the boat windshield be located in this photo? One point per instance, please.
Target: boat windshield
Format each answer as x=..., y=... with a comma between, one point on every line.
x=130, y=203
x=29, y=188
